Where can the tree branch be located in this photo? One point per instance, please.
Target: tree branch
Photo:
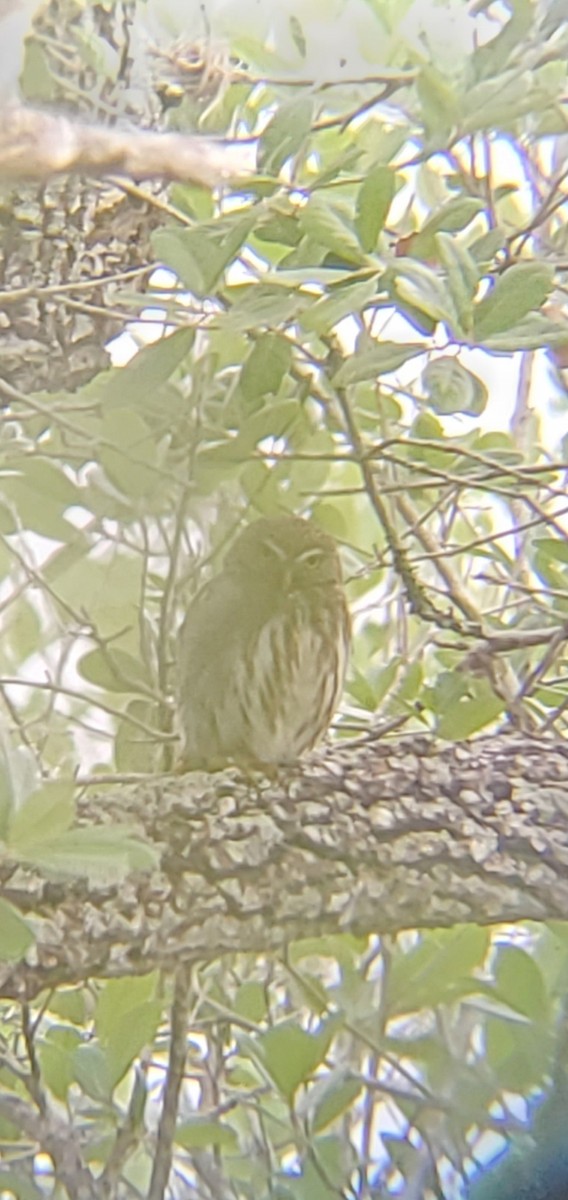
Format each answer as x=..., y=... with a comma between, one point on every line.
x=37, y=145
x=172, y=1088
x=56, y=1138
x=373, y=838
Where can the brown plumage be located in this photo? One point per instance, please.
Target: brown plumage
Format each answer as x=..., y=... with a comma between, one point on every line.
x=263, y=648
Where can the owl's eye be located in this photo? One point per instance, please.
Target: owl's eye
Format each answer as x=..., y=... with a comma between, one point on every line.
x=266, y=551
x=312, y=559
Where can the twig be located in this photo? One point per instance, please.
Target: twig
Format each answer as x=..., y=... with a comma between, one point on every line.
x=176, y=1065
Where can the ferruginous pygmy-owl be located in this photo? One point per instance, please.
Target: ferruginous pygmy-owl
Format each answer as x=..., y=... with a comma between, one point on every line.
x=263, y=648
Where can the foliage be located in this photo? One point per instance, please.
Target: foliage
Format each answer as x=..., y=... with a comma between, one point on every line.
x=370, y=331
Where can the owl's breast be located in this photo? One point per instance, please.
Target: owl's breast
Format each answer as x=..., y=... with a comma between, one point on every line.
x=290, y=682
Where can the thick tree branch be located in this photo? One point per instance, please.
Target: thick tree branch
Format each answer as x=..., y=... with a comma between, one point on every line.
x=37, y=145
x=373, y=838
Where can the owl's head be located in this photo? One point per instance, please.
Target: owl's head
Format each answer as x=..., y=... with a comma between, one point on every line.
x=285, y=552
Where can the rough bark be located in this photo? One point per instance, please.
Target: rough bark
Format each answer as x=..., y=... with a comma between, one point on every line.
x=372, y=838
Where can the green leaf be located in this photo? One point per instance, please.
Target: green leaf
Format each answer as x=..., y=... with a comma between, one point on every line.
x=18, y=779
x=281, y=419
x=102, y=855
x=463, y=277
x=485, y=247
x=488, y=58
x=519, y=290
x=114, y=670
x=251, y=1001
x=372, y=206
x=518, y=1055
x=132, y=1031
x=499, y=102
x=534, y=332
x=291, y=1055
x=451, y=388
x=431, y=972
x=312, y=993
x=341, y=302
x=345, y=948
x=91, y=1071
x=519, y=982
x=128, y=452
x=419, y=285
x=265, y=367
x=285, y=134
x=262, y=305
x=70, y=1003
x=379, y=360
x=151, y=367
x=439, y=101
x=279, y=228
x=453, y=215
x=335, y=1095
x=16, y=937
x=118, y=997
x=470, y=713
x=552, y=547
x=109, y=591
x=46, y=479
x=198, y=1134
x=450, y=217
x=426, y=427
x=22, y=630
x=199, y=255
x=500, y=446
x=40, y=493
x=56, y=1054
x=322, y=223
x=326, y=1170
x=45, y=814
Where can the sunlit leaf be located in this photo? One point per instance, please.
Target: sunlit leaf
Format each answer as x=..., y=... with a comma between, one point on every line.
x=326, y=226
x=373, y=203
x=521, y=288
x=379, y=360
x=198, y=1133
x=285, y=133
x=341, y=302
x=291, y=1055
x=199, y=256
